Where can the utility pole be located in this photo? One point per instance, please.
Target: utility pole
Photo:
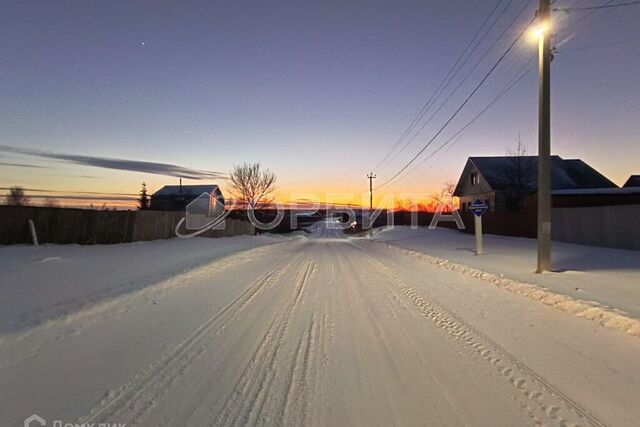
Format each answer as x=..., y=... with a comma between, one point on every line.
x=544, y=138
x=371, y=177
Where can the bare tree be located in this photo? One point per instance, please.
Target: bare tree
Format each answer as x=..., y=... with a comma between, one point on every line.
x=445, y=196
x=252, y=186
x=50, y=202
x=520, y=149
x=447, y=190
x=403, y=205
x=17, y=197
x=520, y=174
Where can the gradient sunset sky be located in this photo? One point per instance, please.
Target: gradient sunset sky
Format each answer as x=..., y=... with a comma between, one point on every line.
x=99, y=96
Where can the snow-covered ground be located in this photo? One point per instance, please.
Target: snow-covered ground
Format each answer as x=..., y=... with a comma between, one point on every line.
x=325, y=330
x=38, y=284
x=605, y=276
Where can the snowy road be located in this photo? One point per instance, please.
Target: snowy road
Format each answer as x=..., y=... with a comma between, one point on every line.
x=321, y=331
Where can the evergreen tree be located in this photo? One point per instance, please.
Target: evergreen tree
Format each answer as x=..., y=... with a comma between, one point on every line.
x=17, y=197
x=143, y=201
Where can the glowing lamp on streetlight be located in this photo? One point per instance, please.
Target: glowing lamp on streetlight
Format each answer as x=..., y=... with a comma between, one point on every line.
x=540, y=30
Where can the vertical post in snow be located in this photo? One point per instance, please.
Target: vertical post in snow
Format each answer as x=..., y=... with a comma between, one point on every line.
x=32, y=230
x=478, y=228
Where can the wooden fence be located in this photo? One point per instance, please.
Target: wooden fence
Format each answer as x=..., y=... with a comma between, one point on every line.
x=608, y=226
x=611, y=226
x=86, y=227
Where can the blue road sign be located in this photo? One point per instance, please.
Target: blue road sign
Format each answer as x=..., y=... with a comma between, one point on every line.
x=478, y=207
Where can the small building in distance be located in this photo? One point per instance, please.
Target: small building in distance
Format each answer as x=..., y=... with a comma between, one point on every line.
x=633, y=181
x=177, y=197
x=507, y=183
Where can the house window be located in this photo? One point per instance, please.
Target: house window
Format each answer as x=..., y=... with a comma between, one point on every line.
x=475, y=178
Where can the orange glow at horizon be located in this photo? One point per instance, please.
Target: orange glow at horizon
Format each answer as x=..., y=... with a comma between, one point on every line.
x=354, y=199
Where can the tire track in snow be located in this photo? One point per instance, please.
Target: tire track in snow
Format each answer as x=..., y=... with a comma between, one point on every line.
x=131, y=401
x=392, y=302
x=383, y=339
x=377, y=332
x=251, y=400
x=300, y=386
x=545, y=399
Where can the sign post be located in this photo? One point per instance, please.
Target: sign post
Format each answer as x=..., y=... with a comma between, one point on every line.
x=478, y=207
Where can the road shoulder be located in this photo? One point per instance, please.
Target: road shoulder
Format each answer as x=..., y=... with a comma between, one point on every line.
x=453, y=250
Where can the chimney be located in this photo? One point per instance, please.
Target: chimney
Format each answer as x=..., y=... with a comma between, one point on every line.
x=181, y=185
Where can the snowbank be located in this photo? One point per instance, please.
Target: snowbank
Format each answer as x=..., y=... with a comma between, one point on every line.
x=602, y=285
x=45, y=282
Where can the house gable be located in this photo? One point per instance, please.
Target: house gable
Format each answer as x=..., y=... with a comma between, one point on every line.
x=468, y=186
x=633, y=181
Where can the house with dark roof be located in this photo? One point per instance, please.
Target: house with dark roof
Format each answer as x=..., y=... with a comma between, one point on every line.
x=177, y=197
x=633, y=181
x=504, y=182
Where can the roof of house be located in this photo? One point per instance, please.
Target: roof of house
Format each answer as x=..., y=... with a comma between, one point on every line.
x=186, y=190
x=596, y=191
x=500, y=172
x=633, y=181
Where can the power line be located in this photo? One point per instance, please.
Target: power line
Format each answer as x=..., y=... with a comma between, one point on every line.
x=478, y=86
x=521, y=74
x=484, y=55
x=593, y=14
x=455, y=138
x=446, y=80
x=457, y=66
x=611, y=6
x=593, y=46
x=603, y=6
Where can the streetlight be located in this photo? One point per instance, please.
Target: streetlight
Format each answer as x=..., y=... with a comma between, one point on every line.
x=543, y=31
